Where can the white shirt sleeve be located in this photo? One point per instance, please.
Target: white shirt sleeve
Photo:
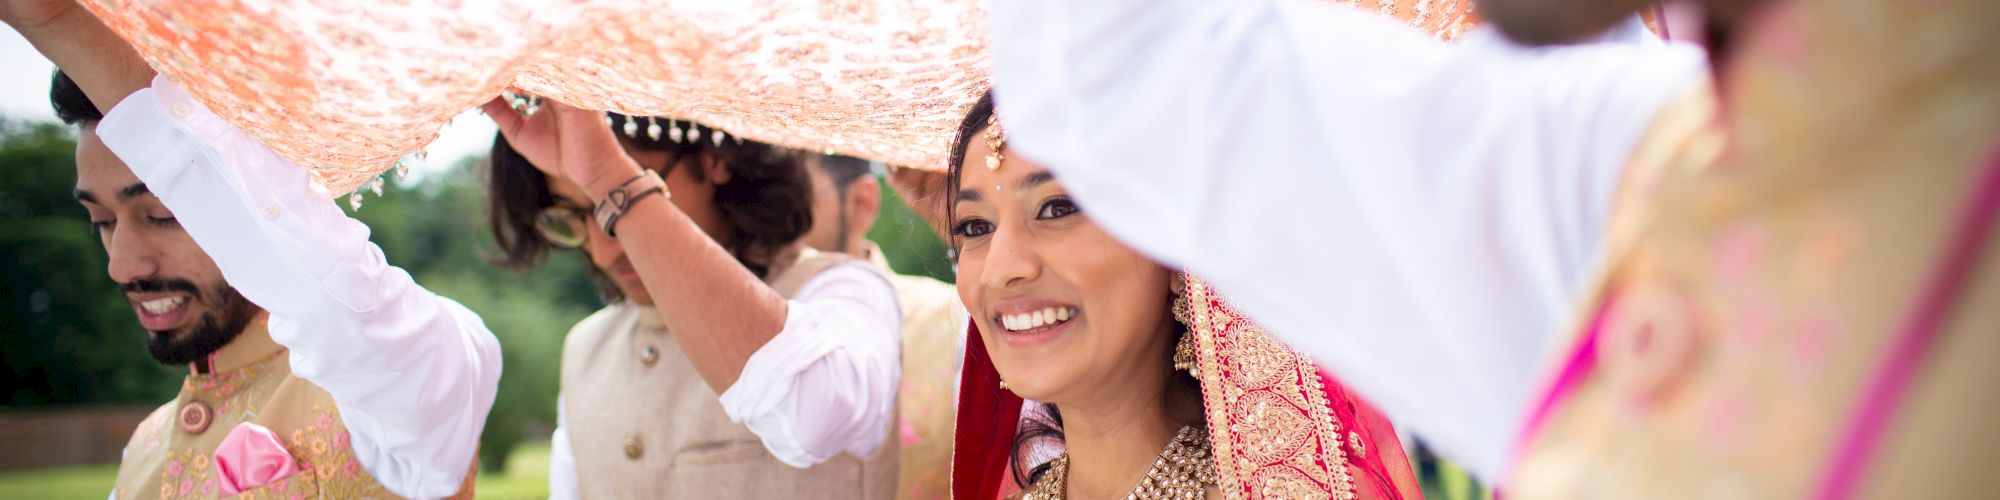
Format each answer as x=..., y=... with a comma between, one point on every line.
x=414, y=373
x=562, y=460
x=1417, y=215
x=827, y=383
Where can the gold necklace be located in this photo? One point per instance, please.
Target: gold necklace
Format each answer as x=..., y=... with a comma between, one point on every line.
x=1182, y=471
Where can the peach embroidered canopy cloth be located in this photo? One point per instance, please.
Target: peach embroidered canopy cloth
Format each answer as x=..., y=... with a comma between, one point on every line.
x=346, y=88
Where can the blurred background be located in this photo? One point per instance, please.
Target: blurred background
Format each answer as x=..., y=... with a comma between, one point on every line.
x=77, y=376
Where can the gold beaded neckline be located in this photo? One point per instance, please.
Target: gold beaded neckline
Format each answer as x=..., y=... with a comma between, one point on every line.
x=1182, y=471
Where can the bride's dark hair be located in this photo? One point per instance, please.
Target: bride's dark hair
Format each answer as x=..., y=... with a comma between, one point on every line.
x=1047, y=425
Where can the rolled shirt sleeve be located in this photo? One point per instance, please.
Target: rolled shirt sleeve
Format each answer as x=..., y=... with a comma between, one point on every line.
x=562, y=460
x=827, y=383
x=1418, y=215
x=414, y=373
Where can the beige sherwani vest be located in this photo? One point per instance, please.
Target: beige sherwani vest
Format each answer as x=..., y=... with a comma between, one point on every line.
x=1753, y=286
x=250, y=381
x=643, y=424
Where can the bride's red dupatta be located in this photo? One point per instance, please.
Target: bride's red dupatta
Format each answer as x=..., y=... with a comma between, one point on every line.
x=1281, y=427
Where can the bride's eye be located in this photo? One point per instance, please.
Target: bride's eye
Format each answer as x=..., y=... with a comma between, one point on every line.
x=1056, y=208
x=972, y=228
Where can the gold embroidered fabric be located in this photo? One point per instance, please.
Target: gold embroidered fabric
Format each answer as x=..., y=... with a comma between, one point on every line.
x=346, y=88
x=1278, y=438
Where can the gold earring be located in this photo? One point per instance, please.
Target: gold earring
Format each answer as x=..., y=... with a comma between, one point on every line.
x=1184, y=356
x=1003, y=386
x=1184, y=350
x=996, y=140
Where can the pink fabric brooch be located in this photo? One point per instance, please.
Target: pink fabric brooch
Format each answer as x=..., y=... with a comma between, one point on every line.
x=251, y=456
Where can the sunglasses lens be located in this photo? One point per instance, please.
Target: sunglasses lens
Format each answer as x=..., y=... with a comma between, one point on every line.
x=560, y=227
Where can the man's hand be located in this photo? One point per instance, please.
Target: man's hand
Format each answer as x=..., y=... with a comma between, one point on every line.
x=564, y=141
x=27, y=14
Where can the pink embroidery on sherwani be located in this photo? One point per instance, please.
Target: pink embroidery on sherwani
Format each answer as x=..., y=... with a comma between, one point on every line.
x=909, y=435
x=249, y=457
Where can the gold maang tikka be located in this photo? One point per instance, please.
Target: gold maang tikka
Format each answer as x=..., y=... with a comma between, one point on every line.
x=995, y=142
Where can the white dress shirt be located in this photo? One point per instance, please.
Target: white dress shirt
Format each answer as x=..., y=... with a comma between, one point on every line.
x=825, y=385
x=1420, y=216
x=414, y=373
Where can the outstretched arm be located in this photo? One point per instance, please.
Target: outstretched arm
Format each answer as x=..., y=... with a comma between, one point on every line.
x=414, y=373
x=1416, y=214
x=813, y=377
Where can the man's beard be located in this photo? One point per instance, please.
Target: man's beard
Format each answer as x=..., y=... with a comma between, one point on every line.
x=228, y=313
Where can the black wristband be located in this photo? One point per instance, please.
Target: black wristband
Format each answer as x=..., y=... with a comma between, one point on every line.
x=621, y=198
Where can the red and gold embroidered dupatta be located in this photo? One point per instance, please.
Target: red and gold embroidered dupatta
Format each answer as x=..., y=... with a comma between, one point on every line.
x=1281, y=426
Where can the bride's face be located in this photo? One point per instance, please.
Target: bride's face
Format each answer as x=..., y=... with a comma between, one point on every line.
x=1066, y=311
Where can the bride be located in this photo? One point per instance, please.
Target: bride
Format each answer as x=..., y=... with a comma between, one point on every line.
x=1141, y=403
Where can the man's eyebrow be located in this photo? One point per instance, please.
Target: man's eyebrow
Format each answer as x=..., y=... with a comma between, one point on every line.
x=133, y=191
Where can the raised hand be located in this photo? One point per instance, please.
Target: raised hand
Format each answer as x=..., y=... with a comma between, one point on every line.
x=566, y=142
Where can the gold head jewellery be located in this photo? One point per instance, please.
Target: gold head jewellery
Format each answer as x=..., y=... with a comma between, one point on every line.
x=996, y=140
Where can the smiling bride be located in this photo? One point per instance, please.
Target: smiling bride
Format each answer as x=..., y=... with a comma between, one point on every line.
x=1150, y=384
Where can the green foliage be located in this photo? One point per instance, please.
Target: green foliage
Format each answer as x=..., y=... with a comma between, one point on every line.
x=69, y=338
x=436, y=230
x=910, y=246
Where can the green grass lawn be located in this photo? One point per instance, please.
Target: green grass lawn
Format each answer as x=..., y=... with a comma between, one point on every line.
x=527, y=476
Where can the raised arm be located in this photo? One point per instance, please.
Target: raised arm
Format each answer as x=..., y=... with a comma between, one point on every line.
x=813, y=377
x=1416, y=214
x=414, y=373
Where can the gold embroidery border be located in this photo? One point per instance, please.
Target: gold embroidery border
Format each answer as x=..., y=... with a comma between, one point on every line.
x=1218, y=332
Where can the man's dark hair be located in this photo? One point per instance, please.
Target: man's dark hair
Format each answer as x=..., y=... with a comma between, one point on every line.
x=767, y=202
x=72, y=106
x=844, y=170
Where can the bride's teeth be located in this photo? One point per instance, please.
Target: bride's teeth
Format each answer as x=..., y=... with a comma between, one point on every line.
x=1037, y=319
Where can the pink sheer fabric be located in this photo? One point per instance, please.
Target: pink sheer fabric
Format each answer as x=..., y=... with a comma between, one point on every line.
x=346, y=88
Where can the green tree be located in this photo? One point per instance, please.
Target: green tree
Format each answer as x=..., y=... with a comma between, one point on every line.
x=70, y=339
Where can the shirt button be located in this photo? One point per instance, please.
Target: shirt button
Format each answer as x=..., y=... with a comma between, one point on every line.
x=271, y=211
x=649, y=355
x=180, y=110
x=633, y=449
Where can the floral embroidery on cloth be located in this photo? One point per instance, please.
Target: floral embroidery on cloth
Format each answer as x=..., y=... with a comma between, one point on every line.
x=345, y=88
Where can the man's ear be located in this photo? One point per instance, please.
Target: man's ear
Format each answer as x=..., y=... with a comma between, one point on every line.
x=717, y=172
x=863, y=204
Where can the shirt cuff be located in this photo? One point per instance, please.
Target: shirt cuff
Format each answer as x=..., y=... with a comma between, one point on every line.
x=766, y=383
